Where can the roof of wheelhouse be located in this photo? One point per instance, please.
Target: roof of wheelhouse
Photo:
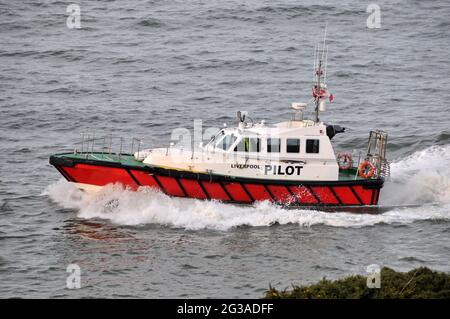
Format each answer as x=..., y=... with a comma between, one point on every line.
x=299, y=128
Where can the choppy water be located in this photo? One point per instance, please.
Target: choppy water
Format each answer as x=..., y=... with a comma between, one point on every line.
x=144, y=68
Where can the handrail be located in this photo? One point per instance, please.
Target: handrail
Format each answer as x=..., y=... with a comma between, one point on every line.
x=107, y=144
x=376, y=153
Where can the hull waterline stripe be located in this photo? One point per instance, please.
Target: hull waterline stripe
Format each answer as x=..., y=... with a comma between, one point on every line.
x=226, y=191
x=159, y=184
x=313, y=193
x=181, y=186
x=335, y=195
x=294, y=200
x=364, y=193
x=258, y=192
x=303, y=195
x=373, y=197
x=356, y=195
x=133, y=177
x=269, y=192
x=193, y=189
x=171, y=186
x=281, y=193
x=213, y=193
x=237, y=192
x=62, y=173
x=65, y=174
x=204, y=190
x=377, y=197
x=248, y=193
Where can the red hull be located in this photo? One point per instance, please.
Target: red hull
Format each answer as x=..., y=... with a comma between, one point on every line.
x=173, y=183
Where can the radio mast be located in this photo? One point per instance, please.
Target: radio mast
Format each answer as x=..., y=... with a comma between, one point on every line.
x=319, y=83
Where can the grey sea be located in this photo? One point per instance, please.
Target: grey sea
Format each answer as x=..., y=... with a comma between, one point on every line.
x=144, y=68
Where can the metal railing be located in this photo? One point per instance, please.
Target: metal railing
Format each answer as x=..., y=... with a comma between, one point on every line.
x=92, y=143
x=376, y=153
x=385, y=170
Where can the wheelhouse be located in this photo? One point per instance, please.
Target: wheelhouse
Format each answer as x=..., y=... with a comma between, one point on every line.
x=287, y=142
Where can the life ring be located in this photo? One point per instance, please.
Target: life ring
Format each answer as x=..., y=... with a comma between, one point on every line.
x=363, y=168
x=345, y=161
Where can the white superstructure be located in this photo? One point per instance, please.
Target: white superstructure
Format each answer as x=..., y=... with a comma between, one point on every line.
x=293, y=150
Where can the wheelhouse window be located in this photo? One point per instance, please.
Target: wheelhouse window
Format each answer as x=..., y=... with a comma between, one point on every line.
x=248, y=144
x=273, y=145
x=226, y=142
x=312, y=146
x=292, y=145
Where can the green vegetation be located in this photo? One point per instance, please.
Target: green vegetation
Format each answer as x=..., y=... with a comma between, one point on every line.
x=420, y=283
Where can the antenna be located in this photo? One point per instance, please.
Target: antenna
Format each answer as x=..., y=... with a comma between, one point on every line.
x=315, y=59
x=324, y=40
x=326, y=66
x=319, y=88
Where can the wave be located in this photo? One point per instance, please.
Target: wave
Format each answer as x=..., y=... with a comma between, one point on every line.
x=421, y=178
x=147, y=206
x=150, y=22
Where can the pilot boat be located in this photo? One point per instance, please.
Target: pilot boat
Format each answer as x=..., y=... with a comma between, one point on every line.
x=291, y=163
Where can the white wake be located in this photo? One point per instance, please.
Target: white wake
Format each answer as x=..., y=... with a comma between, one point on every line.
x=421, y=178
